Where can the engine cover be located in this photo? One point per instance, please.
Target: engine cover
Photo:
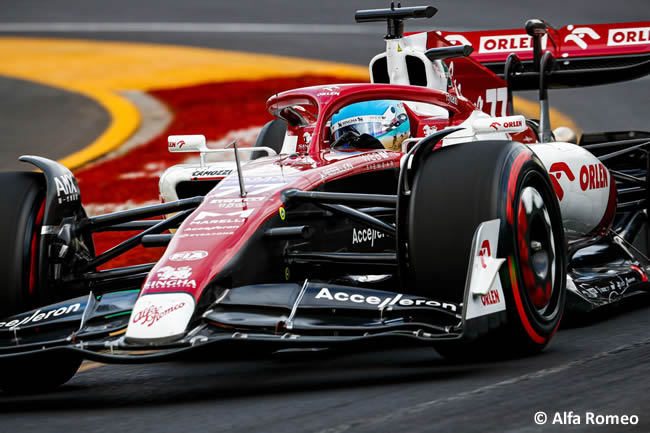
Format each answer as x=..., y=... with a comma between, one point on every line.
x=584, y=187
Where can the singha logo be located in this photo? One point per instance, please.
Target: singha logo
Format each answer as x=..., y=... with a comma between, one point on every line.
x=171, y=273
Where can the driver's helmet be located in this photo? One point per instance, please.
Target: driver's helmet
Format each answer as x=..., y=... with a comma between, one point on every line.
x=386, y=120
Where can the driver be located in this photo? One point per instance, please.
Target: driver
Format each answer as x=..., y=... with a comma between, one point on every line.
x=371, y=125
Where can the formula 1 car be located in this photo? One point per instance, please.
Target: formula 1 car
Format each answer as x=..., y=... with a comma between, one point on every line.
x=478, y=226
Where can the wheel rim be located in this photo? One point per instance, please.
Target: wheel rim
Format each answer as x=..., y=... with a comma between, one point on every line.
x=536, y=245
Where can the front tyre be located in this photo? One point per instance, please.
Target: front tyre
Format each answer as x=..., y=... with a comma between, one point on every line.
x=457, y=188
x=21, y=220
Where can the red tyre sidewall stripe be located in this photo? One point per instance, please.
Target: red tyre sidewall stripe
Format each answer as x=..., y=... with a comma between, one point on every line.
x=512, y=183
x=510, y=210
x=520, y=306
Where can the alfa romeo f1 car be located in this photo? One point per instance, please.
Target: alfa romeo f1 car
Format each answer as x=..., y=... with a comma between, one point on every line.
x=468, y=224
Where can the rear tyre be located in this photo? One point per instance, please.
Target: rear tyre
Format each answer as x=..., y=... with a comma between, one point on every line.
x=20, y=223
x=461, y=186
x=272, y=136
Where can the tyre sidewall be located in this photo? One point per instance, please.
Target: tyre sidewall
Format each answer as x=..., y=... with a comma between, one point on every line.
x=538, y=328
x=17, y=218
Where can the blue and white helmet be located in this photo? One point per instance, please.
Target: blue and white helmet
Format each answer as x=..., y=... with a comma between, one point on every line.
x=386, y=120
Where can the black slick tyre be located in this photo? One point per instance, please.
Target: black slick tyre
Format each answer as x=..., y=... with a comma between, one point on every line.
x=454, y=190
x=20, y=223
x=272, y=136
x=19, y=235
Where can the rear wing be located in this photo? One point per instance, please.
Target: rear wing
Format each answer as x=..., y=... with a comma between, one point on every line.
x=585, y=55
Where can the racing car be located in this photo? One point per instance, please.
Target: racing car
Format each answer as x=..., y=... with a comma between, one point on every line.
x=415, y=209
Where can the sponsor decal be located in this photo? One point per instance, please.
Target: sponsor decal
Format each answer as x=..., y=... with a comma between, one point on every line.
x=556, y=170
x=359, y=119
x=629, y=36
x=188, y=256
x=458, y=40
x=452, y=99
x=335, y=169
x=241, y=214
x=491, y=298
x=260, y=180
x=230, y=203
x=593, y=176
x=202, y=228
x=176, y=144
x=204, y=235
x=429, y=129
x=39, y=315
x=153, y=313
x=210, y=173
x=506, y=125
x=366, y=235
x=330, y=91
x=238, y=200
x=507, y=43
x=399, y=300
x=171, y=273
x=306, y=137
x=66, y=188
x=484, y=252
x=380, y=165
x=375, y=156
x=254, y=186
x=219, y=221
x=578, y=34
x=282, y=212
x=169, y=277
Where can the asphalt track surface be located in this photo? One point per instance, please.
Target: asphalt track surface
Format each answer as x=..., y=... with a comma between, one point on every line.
x=43, y=120
x=599, y=366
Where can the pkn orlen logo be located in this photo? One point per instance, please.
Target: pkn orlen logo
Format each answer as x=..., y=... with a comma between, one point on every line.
x=508, y=43
x=457, y=40
x=493, y=296
x=330, y=91
x=178, y=144
x=592, y=176
x=628, y=36
x=556, y=170
x=578, y=34
x=484, y=252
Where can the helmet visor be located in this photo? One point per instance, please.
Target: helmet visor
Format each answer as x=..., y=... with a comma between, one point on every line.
x=372, y=125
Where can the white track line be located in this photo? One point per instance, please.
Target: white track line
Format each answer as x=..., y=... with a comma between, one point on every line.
x=193, y=27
